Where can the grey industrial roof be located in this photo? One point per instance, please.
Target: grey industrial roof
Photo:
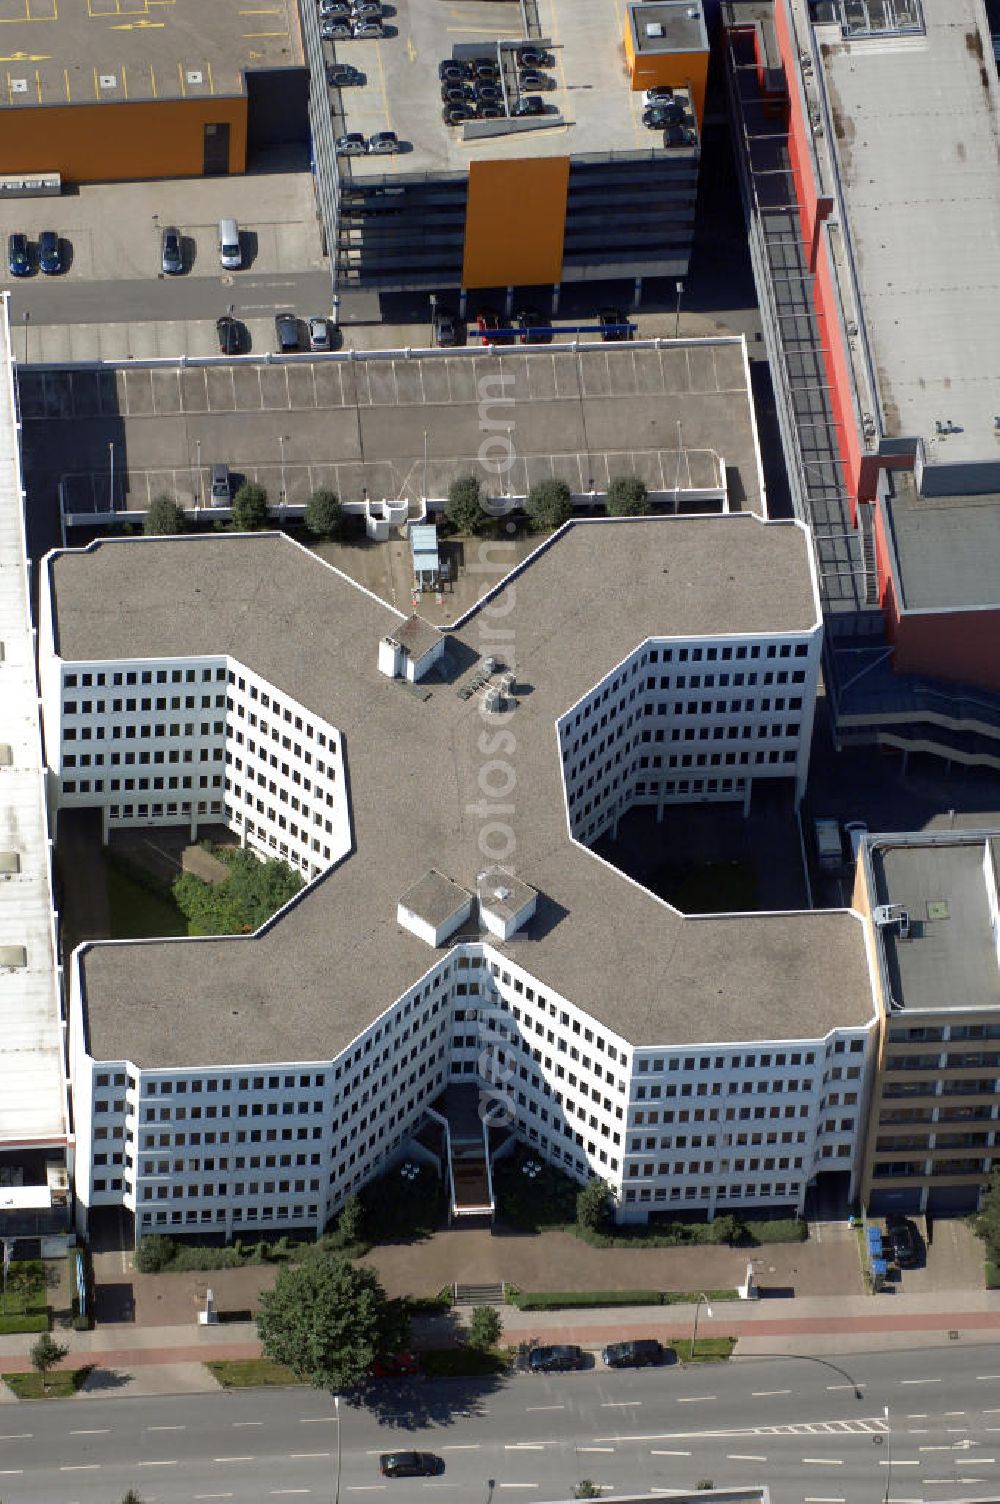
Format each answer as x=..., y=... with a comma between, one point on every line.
x=950, y=957
x=948, y=547
x=337, y=959
x=915, y=132
x=111, y=54
x=682, y=22
x=435, y=898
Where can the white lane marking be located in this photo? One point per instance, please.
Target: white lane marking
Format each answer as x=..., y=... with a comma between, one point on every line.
x=234, y=1459
x=825, y=1461
x=364, y=1488
x=981, y=1378
x=27, y=1435
x=745, y=1457
x=462, y=1446
x=315, y=1420
x=309, y=1454
x=824, y=1499
x=519, y=1485
x=166, y=1428
x=530, y=1408
x=246, y=1423
x=276, y=1491
x=619, y=1404
x=763, y=1394
x=972, y=1461
x=900, y=1462
x=80, y=1467
x=11, y=1472
x=595, y=1449
x=858, y=1385
x=922, y=1430
x=655, y=1453
x=920, y=1381
x=922, y=1414
x=954, y=1412
x=105, y=1431
x=213, y=1496
x=169, y=1462
x=939, y=1447
x=693, y=1399
x=524, y=1446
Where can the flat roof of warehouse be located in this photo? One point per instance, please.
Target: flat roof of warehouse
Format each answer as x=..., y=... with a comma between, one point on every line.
x=106, y=53
x=592, y=109
x=949, y=957
x=338, y=958
x=915, y=133
x=948, y=547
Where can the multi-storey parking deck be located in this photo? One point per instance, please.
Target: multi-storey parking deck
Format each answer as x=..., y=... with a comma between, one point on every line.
x=650, y=661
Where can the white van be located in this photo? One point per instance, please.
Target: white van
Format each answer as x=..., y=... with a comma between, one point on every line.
x=230, y=254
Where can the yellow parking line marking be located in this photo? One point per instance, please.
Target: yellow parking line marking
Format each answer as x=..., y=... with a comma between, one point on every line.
x=152, y=80
x=69, y=96
x=411, y=50
x=381, y=84
x=211, y=80
x=124, y=82
x=97, y=86
x=25, y=57
x=180, y=75
x=38, y=85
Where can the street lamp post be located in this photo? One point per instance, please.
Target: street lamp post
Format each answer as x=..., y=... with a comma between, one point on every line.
x=888, y=1454
x=197, y=483
x=679, y=285
x=701, y=1301
x=425, y=468
x=27, y=317
x=336, y=1411
x=281, y=503
x=111, y=453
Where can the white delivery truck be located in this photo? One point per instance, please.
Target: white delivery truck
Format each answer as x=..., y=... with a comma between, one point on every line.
x=829, y=850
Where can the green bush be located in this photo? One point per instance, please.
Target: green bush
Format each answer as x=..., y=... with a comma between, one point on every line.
x=242, y=902
x=189, y=1256
x=549, y=504
x=323, y=515
x=35, y=1321
x=667, y=1235
x=992, y=1275
x=627, y=497
x=249, y=508
x=163, y=516
x=153, y=1254
x=464, y=506
x=570, y=1300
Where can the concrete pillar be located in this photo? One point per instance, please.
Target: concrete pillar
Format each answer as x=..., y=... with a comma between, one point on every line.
x=463, y=299
x=508, y=304
x=747, y=791
x=194, y=820
x=637, y=293
x=556, y=289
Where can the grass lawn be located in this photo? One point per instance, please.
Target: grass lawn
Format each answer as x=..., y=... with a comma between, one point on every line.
x=61, y=1383
x=709, y=1349
x=136, y=912
x=465, y=1362
x=251, y=1373
x=25, y=1321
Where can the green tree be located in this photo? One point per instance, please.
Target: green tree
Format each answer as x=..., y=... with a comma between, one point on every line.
x=45, y=1354
x=595, y=1205
x=350, y=1223
x=485, y=1327
x=627, y=497
x=164, y=516
x=549, y=504
x=464, y=506
x=131, y=1497
x=323, y=515
x=24, y=1281
x=250, y=508
x=328, y=1320
x=153, y=1253
x=253, y=891
x=987, y=1223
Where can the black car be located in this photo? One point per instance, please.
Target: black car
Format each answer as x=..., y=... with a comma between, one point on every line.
x=529, y=104
x=904, y=1241
x=455, y=93
x=344, y=76
x=487, y=91
x=18, y=255
x=563, y=1359
x=456, y=114
x=534, y=328
x=489, y=109
x=410, y=1465
x=446, y=330
x=485, y=67
x=286, y=327
x=679, y=135
x=450, y=69
x=49, y=254
x=534, y=57
x=230, y=332
x=530, y=78
x=614, y=324
x=646, y=1352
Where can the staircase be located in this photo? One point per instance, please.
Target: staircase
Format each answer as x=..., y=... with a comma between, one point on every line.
x=478, y=1295
x=468, y=1168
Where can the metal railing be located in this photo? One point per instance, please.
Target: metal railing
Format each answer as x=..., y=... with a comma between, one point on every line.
x=326, y=173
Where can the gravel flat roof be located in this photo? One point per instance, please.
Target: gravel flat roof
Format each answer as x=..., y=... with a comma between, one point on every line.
x=337, y=959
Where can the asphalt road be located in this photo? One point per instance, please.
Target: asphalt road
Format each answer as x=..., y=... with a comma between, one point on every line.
x=796, y=1424
x=48, y=300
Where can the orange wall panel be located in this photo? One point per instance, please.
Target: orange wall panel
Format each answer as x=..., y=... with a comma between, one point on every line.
x=681, y=70
x=87, y=143
x=515, y=220
x=956, y=645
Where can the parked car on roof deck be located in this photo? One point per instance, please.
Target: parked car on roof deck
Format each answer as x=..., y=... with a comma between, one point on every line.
x=286, y=327
x=351, y=145
x=49, y=253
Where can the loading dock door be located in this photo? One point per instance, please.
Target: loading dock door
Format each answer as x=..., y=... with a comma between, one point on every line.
x=216, y=153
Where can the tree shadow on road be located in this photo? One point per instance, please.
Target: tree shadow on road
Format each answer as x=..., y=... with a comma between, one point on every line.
x=413, y=1404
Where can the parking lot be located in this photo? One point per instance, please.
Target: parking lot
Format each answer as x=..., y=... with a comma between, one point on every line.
x=584, y=415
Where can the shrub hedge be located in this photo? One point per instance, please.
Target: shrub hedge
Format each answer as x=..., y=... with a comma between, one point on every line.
x=568, y=1300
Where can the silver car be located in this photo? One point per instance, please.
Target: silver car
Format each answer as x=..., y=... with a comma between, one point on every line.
x=383, y=142
x=319, y=334
x=351, y=145
x=171, y=258
x=368, y=29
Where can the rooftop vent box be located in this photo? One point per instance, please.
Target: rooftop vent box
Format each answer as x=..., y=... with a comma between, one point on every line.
x=434, y=907
x=13, y=955
x=654, y=29
x=505, y=902
x=10, y=863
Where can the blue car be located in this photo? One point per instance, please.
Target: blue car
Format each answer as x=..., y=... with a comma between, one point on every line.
x=49, y=255
x=18, y=255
